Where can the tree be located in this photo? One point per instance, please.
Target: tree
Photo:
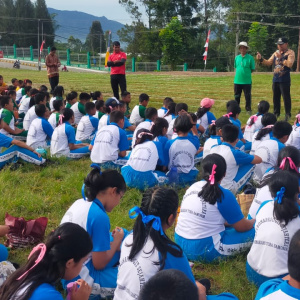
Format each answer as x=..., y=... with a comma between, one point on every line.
x=74, y=44
x=95, y=38
x=172, y=41
x=257, y=37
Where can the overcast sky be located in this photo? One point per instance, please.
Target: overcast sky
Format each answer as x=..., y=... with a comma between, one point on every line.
x=111, y=9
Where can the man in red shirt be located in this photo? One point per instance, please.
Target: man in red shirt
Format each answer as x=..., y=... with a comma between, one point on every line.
x=116, y=62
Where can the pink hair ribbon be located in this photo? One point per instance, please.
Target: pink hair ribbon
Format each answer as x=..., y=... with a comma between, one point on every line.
x=254, y=118
x=269, y=126
x=43, y=249
x=60, y=120
x=228, y=115
x=144, y=133
x=211, y=178
x=213, y=122
x=292, y=164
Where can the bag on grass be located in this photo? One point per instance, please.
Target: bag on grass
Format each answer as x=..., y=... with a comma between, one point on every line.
x=24, y=233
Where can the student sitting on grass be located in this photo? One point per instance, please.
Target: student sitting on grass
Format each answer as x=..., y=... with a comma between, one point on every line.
x=138, y=113
x=58, y=93
x=54, y=117
x=215, y=132
x=18, y=150
x=139, y=172
x=96, y=96
x=88, y=124
x=100, y=109
x=62, y=256
x=24, y=102
x=111, y=104
x=78, y=107
x=206, y=209
x=204, y=116
x=170, y=114
x=127, y=125
x=294, y=138
x=126, y=97
x=39, y=98
x=240, y=165
x=23, y=91
x=71, y=99
x=287, y=288
x=180, y=152
x=276, y=222
x=268, y=149
x=254, y=122
x=103, y=191
x=109, y=146
x=63, y=142
x=164, y=109
x=40, y=130
x=159, y=130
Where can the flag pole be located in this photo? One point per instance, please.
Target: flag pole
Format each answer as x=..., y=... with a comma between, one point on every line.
x=206, y=49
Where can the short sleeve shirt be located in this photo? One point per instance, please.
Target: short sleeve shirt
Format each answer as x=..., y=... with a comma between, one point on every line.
x=244, y=65
x=117, y=69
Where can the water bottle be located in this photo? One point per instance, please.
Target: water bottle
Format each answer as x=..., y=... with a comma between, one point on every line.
x=69, y=289
x=42, y=151
x=173, y=175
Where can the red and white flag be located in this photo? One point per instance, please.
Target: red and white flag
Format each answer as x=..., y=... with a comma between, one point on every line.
x=206, y=47
x=42, y=47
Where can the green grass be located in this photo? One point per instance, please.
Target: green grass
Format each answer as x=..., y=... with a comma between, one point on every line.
x=33, y=191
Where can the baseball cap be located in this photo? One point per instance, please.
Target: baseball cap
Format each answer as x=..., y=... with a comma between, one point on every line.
x=243, y=44
x=282, y=40
x=207, y=102
x=113, y=102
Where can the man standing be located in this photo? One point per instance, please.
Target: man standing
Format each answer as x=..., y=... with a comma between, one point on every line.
x=116, y=62
x=282, y=60
x=244, y=65
x=53, y=63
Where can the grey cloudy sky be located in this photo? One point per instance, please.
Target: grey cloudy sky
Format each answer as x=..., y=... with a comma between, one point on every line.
x=111, y=9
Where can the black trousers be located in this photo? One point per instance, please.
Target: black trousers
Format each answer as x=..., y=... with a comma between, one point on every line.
x=54, y=82
x=284, y=89
x=238, y=89
x=116, y=81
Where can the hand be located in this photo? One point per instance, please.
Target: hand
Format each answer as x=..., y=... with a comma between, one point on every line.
x=278, y=54
x=18, y=130
x=118, y=234
x=81, y=293
x=38, y=154
x=258, y=56
x=117, y=61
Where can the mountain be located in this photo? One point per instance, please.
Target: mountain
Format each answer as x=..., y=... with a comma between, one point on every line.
x=78, y=24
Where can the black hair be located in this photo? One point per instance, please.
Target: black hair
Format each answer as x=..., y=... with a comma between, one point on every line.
x=39, y=97
x=193, y=116
x=146, y=136
x=89, y=106
x=218, y=124
x=282, y=128
x=11, y=93
x=233, y=107
x=14, y=80
x=21, y=83
x=181, y=106
x=150, y=113
x=95, y=95
x=27, y=81
x=31, y=102
x=116, y=43
x=68, y=241
x=158, y=126
x=57, y=104
x=125, y=93
x=288, y=209
x=202, y=111
x=96, y=182
x=212, y=193
x=43, y=88
x=68, y=113
x=143, y=97
x=171, y=109
x=161, y=202
x=11, y=88
x=116, y=116
x=40, y=110
x=122, y=103
x=99, y=104
x=294, y=257
x=4, y=100
x=263, y=107
x=183, y=124
x=169, y=284
x=58, y=91
x=267, y=119
x=230, y=133
x=53, y=48
x=71, y=96
x=33, y=92
x=85, y=96
x=167, y=101
x=27, y=89
x=1, y=77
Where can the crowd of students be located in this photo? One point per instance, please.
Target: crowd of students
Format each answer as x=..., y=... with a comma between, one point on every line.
x=150, y=149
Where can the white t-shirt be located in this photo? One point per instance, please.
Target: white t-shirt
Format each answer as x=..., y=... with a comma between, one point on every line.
x=147, y=124
x=170, y=131
x=269, y=252
x=135, y=117
x=29, y=117
x=294, y=138
x=51, y=103
x=209, y=143
x=77, y=114
x=86, y=128
x=24, y=104
x=206, y=119
x=103, y=122
x=256, y=143
x=161, y=112
x=54, y=119
x=249, y=130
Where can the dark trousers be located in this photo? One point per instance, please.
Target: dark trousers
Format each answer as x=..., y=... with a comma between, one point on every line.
x=282, y=88
x=238, y=88
x=54, y=82
x=116, y=81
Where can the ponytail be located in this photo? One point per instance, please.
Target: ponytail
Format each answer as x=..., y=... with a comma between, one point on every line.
x=142, y=136
x=202, y=111
x=158, y=126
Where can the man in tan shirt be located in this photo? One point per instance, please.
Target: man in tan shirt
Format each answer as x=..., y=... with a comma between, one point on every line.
x=282, y=60
x=53, y=64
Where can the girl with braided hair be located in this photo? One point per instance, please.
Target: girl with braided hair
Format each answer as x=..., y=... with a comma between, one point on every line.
x=139, y=172
x=62, y=256
x=206, y=209
x=276, y=222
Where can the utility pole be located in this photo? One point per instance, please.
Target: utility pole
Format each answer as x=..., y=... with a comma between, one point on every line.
x=237, y=33
x=38, y=48
x=100, y=50
x=298, y=56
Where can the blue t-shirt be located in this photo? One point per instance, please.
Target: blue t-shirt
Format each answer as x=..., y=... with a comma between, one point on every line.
x=5, y=141
x=47, y=128
x=126, y=122
x=237, y=123
x=46, y=291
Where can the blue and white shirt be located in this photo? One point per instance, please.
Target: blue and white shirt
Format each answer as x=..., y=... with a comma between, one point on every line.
x=144, y=157
x=199, y=219
x=233, y=158
x=5, y=141
x=29, y=117
x=255, y=143
x=211, y=142
x=62, y=136
x=268, y=150
x=206, y=119
x=277, y=289
x=249, y=130
x=38, y=132
x=180, y=153
x=103, y=121
x=170, y=117
x=269, y=252
x=107, y=143
x=24, y=104
x=147, y=124
x=161, y=112
x=86, y=128
x=237, y=123
x=294, y=138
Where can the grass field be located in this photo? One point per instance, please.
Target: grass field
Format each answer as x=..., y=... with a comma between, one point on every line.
x=33, y=191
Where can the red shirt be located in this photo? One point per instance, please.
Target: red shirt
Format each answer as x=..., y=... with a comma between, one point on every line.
x=114, y=57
